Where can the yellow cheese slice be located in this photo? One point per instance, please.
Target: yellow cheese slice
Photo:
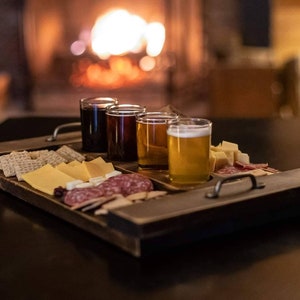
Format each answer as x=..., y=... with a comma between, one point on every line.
x=77, y=171
x=96, y=169
x=74, y=163
x=99, y=160
x=86, y=169
x=46, y=179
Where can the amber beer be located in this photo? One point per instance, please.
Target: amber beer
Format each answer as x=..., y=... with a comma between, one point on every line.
x=152, y=139
x=189, y=142
x=121, y=131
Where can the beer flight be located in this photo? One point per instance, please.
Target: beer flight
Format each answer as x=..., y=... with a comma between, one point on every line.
x=156, y=140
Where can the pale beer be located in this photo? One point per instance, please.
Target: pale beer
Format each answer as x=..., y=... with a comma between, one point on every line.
x=189, y=147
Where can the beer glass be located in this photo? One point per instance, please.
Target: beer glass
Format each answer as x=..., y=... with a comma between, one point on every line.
x=121, y=131
x=152, y=149
x=93, y=122
x=189, y=141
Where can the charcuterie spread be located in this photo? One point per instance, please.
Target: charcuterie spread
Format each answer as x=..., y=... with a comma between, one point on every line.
x=134, y=208
x=228, y=159
x=67, y=175
x=96, y=185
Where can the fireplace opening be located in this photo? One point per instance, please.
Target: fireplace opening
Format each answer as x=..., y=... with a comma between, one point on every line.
x=137, y=51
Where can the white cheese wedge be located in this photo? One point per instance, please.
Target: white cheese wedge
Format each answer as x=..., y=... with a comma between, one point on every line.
x=220, y=159
x=84, y=185
x=72, y=184
x=243, y=158
x=112, y=174
x=212, y=162
x=230, y=156
x=231, y=150
x=229, y=146
x=97, y=180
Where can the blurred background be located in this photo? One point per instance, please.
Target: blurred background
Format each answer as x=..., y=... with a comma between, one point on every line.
x=211, y=58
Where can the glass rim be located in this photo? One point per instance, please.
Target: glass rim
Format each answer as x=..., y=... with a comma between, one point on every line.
x=156, y=117
x=98, y=101
x=190, y=122
x=125, y=109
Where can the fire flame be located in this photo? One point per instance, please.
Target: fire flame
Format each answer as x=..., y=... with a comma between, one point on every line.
x=119, y=32
x=114, y=38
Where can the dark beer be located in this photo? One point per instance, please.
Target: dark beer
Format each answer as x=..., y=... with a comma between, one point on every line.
x=93, y=123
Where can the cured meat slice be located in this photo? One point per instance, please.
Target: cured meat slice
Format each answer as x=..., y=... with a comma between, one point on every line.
x=228, y=170
x=124, y=184
x=250, y=166
x=240, y=167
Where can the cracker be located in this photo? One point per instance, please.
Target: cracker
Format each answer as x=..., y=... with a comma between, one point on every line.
x=8, y=162
x=155, y=194
x=53, y=158
x=70, y=154
x=28, y=165
x=3, y=158
x=37, y=153
x=137, y=196
x=6, y=167
x=142, y=196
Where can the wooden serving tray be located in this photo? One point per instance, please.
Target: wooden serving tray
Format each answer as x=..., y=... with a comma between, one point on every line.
x=180, y=217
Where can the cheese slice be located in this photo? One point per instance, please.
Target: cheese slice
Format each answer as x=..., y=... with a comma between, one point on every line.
x=219, y=159
x=243, y=158
x=96, y=169
x=99, y=160
x=74, y=163
x=231, y=150
x=47, y=178
x=230, y=146
x=212, y=162
x=77, y=171
x=86, y=169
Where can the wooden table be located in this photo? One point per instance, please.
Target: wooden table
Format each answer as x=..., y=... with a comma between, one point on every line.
x=43, y=257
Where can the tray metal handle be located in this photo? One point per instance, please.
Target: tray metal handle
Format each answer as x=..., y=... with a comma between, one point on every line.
x=215, y=193
x=53, y=137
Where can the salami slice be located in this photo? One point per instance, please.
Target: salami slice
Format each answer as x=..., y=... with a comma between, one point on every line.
x=125, y=184
x=227, y=170
x=250, y=166
x=239, y=167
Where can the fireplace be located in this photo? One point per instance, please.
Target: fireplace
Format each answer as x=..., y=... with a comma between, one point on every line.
x=160, y=51
x=138, y=51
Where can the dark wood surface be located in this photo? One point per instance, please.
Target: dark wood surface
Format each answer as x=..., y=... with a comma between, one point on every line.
x=43, y=257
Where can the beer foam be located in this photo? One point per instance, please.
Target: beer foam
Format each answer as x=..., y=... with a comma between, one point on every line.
x=188, y=131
